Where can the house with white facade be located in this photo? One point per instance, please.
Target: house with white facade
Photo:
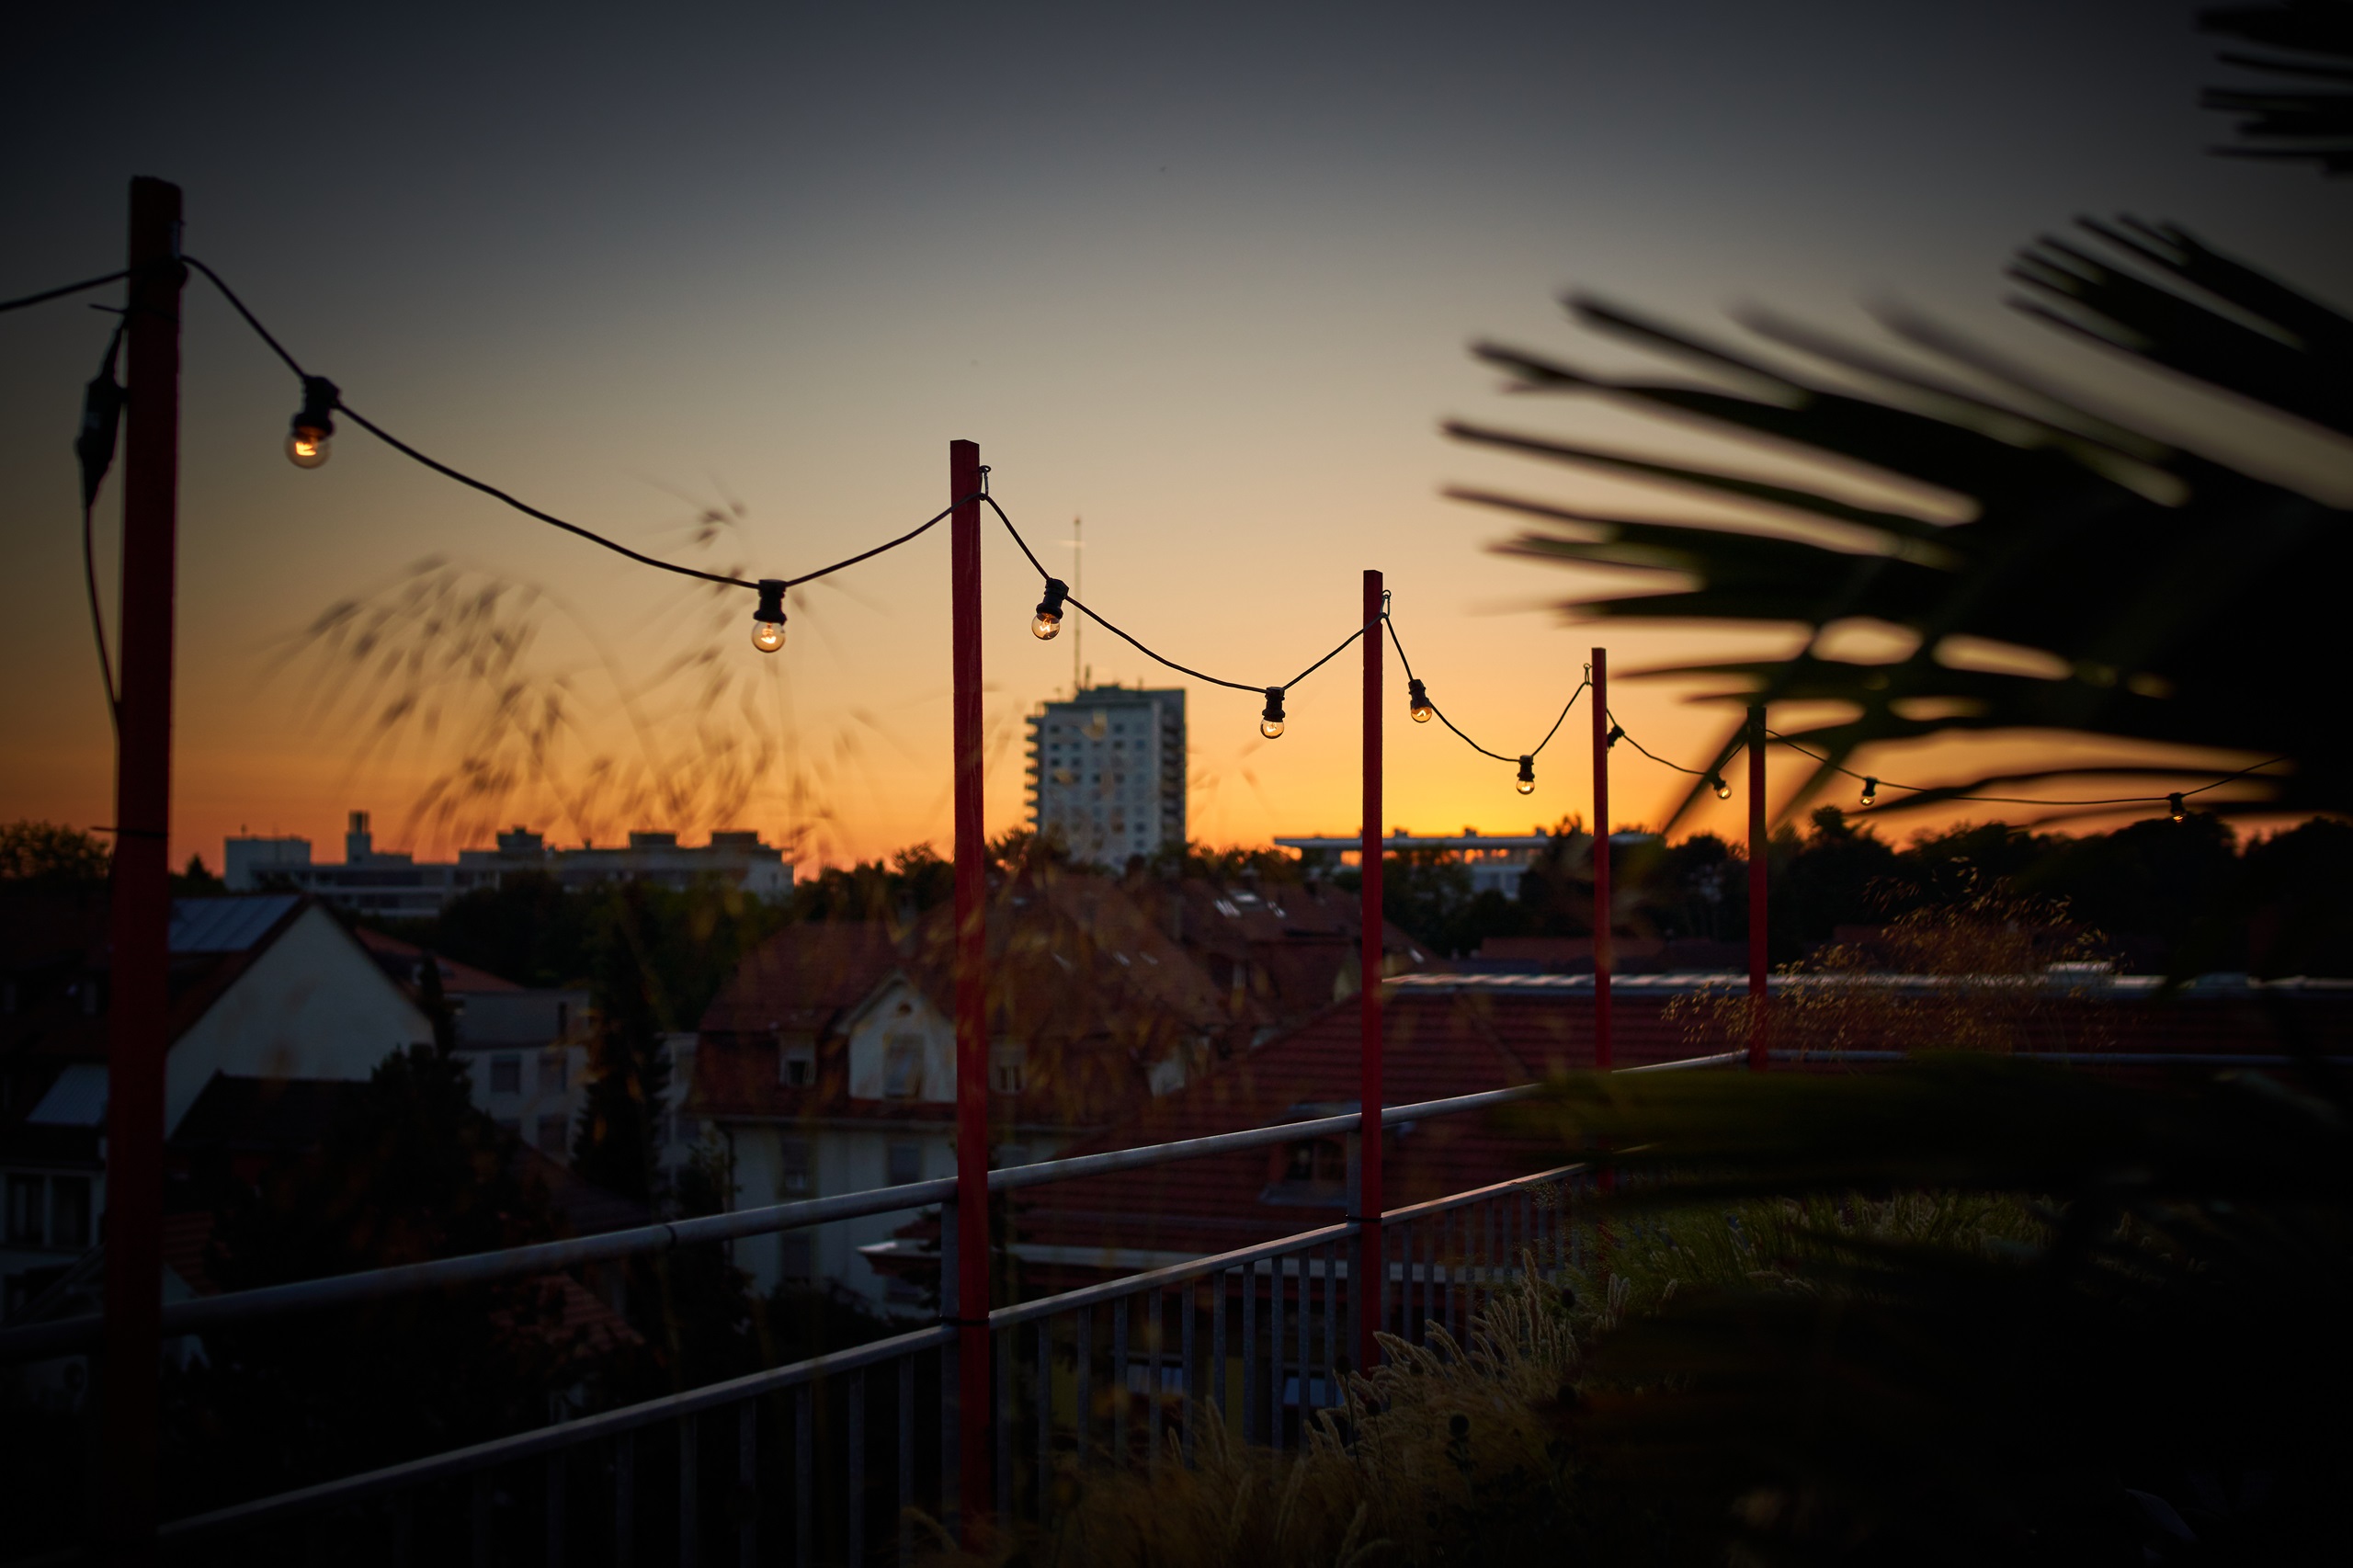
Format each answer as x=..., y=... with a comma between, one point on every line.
x=828, y=1062
x=263, y=988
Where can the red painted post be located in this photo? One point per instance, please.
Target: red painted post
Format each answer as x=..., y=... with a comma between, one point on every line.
x=972, y=1309
x=1370, y=1264
x=1603, y=955
x=142, y=908
x=1758, y=839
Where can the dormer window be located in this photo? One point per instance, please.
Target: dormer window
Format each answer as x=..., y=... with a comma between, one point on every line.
x=796, y=1067
x=1311, y=1171
x=903, y=1067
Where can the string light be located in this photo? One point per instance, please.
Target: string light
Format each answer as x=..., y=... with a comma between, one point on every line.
x=767, y=622
x=310, y=433
x=1050, y=610
x=310, y=440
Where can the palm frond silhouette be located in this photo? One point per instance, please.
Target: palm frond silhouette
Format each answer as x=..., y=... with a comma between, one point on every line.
x=2104, y=580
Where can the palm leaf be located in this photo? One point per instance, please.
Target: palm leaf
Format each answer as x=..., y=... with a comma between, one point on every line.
x=2171, y=597
x=2290, y=118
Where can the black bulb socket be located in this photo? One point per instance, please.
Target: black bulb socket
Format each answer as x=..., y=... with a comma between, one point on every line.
x=1050, y=607
x=319, y=398
x=1274, y=713
x=771, y=601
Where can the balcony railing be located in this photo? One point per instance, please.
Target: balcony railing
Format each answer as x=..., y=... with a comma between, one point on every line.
x=845, y=1451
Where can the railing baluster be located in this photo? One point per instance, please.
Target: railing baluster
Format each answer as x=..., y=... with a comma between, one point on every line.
x=625, y=1499
x=906, y=1459
x=689, y=1492
x=1250, y=1353
x=1085, y=1327
x=1306, y=1315
x=1189, y=1300
x=1005, y=1351
x=1217, y=1350
x=857, y=1413
x=555, y=1507
x=1045, y=1417
x=1155, y=1323
x=1122, y=1309
x=747, y=1483
x=1331, y=1321
x=1489, y=1206
x=805, y=1479
x=1275, y=1353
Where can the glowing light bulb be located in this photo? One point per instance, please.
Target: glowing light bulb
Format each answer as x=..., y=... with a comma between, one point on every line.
x=1048, y=619
x=2175, y=808
x=1270, y=723
x=307, y=436
x=1724, y=791
x=1870, y=790
x=767, y=622
x=1418, y=696
x=1526, y=785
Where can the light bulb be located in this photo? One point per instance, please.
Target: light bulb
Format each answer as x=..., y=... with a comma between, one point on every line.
x=1050, y=610
x=1870, y=790
x=1418, y=695
x=307, y=432
x=1724, y=791
x=768, y=621
x=1526, y=775
x=2175, y=808
x=1270, y=723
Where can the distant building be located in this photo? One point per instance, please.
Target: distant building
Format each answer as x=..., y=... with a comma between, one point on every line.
x=387, y=885
x=1106, y=772
x=1496, y=861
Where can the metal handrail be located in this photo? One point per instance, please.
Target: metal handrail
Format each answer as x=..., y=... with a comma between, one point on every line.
x=34, y=1341
x=562, y=1435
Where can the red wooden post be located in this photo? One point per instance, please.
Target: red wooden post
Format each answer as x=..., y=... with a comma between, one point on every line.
x=1602, y=1053
x=970, y=1311
x=142, y=909
x=1756, y=847
x=1370, y=1264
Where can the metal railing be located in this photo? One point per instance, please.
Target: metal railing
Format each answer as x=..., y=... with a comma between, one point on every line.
x=1116, y=1373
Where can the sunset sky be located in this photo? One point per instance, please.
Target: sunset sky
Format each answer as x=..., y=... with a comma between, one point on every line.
x=1203, y=276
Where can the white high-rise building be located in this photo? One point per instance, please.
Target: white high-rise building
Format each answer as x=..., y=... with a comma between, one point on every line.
x=1106, y=772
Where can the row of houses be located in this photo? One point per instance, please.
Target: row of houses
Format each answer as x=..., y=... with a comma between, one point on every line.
x=1119, y=1013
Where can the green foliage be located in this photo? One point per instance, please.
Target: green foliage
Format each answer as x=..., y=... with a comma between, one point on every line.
x=411, y=1171
x=616, y=1145
x=1977, y=1311
x=51, y=853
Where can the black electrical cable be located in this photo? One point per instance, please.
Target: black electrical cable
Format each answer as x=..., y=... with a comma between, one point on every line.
x=529, y=511
x=1148, y=652
x=1483, y=751
x=60, y=294
x=2022, y=799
